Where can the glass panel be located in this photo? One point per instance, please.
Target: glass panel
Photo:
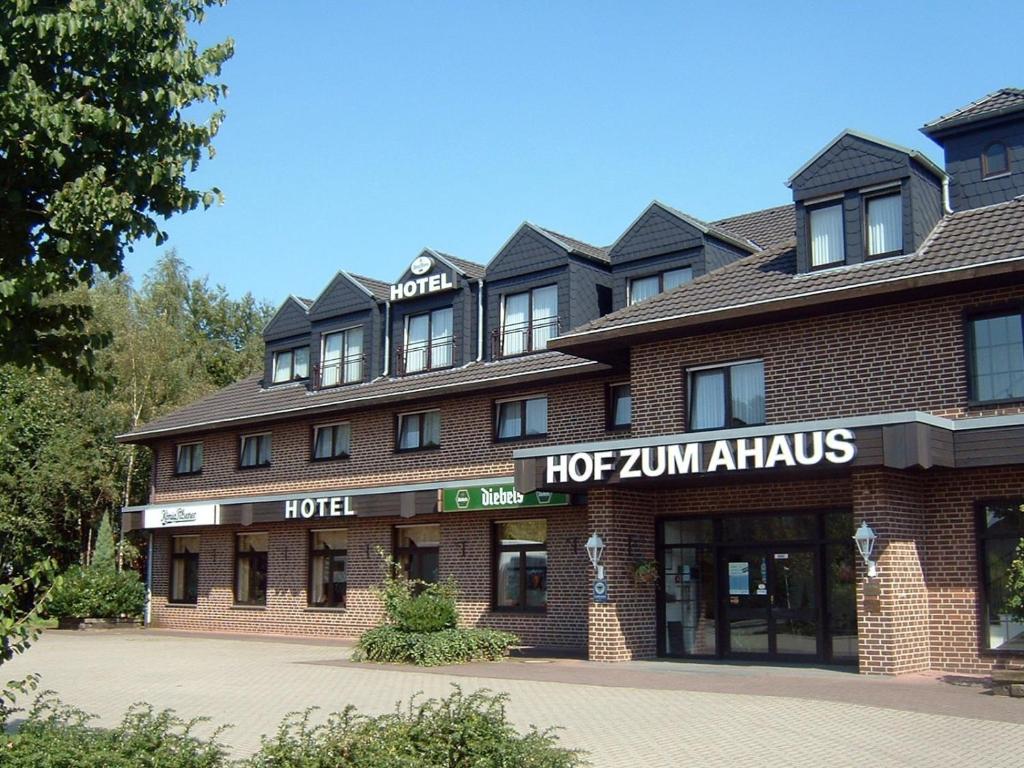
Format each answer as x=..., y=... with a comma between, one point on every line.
x=885, y=224
x=263, y=449
x=510, y=422
x=322, y=448
x=643, y=288
x=342, y=439
x=416, y=343
x=747, y=584
x=197, y=457
x=769, y=528
x=687, y=531
x=996, y=159
x=747, y=383
x=827, y=235
x=537, y=416
x=689, y=601
x=545, y=316
x=507, y=592
x=1005, y=632
x=431, y=429
x=419, y=536
x=536, y=579
x=249, y=451
x=441, y=338
x=1004, y=520
x=523, y=532
x=185, y=462
x=331, y=364
x=282, y=366
x=186, y=545
x=794, y=603
x=301, y=363
x=622, y=406
x=675, y=277
x=841, y=583
x=516, y=324
x=998, y=364
x=252, y=542
x=839, y=526
x=409, y=431
x=708, y=399
x=330, y=539
x=353, y=355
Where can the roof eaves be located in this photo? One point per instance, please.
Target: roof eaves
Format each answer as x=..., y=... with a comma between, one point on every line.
x=957, y=117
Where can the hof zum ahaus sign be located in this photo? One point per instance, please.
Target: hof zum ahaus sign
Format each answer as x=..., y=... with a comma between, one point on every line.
x=801, y=449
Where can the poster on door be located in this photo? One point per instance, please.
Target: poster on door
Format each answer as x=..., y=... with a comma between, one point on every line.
x=739, y=578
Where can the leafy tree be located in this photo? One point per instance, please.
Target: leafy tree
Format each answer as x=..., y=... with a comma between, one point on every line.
x=97, y=101
x=103, y=557
x=1015, y=585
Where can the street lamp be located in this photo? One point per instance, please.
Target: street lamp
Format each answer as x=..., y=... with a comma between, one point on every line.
x=865, y=538
x=595, y=549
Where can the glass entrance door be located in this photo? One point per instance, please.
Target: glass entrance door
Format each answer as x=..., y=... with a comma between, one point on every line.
x=770, y=601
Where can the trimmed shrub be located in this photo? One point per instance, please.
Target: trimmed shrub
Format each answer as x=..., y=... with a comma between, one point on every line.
x=460, y=731
x=430, y=649
x=97, y=593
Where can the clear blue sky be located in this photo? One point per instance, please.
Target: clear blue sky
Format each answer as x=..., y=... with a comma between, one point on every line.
x=358, y=133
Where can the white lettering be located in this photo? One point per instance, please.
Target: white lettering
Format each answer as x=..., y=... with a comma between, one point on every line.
x=629, y=470
x=817, y=449
x=604, y=464
x=650, y=469
x=780, y=451
x=396, y=291
x=581, y=467
x=307, y=508
x=841, y=448
x=291, y=509
x=557, y=468
x=446, y=282
x=721, y=456
x=683, y=460
x=750, y=450
x=434, y=283
x=335, y=506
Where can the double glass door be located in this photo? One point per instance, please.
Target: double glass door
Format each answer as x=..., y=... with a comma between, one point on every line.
x=770, y=601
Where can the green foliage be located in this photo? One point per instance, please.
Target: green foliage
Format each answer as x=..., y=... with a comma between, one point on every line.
x=1015, y=585
x=98, y=592
x=413, y=605
x=22, y=601
x=459, y=731
x=94, y=151
x=55, y=735
x=390, y=644
x=104, y=558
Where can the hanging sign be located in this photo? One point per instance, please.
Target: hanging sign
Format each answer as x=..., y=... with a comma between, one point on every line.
x=325, y=506
x=802, y=449
x=475, y=498
x=176, y=516
x=600, y=591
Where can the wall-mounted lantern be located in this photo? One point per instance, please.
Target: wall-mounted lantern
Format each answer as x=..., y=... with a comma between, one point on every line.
x=595, y=550
x=865, y=539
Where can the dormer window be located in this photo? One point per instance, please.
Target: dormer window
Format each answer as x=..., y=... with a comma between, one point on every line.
x=291, y=365
x=342, y=359
x=641, y=288
x=995, y=160
x=529, y=319
x=429, y=341
x=827, y=245
x=885, y=224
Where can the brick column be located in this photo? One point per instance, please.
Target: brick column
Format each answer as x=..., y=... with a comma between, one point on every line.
x=892, y=610
x=624, y=628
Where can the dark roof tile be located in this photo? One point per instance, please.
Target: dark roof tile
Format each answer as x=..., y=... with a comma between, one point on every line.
x=380, y=290
x=764, y=228
x=998, y=102
x=469, y=268
x=580, y=247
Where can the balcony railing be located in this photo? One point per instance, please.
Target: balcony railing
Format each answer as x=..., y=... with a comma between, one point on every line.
x=425, y=355
x=520, y=338
x=334, y=373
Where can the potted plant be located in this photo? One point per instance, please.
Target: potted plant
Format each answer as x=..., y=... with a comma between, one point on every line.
x=645, y=571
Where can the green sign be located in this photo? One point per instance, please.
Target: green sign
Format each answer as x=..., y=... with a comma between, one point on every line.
x=474, y=498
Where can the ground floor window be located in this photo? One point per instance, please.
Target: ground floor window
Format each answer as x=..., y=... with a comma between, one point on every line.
x=1001, y=527
x=417, y=549
x=327, y=577
x=251, y=569
x=772, y=585
x=521, y=565
x=184, y=569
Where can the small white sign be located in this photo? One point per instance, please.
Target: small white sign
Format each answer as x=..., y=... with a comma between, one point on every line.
x=181, y=515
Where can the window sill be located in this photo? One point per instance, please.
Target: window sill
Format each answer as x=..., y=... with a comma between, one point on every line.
x=247, y=467
x=980, y=404
x=172, y=604
x=325, y=609
x=619, y=430
x=326, y=459
x=431, y=369
x=418, y=450
x=830, y=265
x=246, y=607
x=879, y=256
x=1000, y=175
x=187, y=474
x=520, y=611
x=522, y=439
x=340, y=384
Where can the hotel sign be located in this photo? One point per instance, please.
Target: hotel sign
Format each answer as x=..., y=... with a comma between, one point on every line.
x=484, y=497
x=324, y=506
x=422, y=284
x=170, y=517
x=800, y=449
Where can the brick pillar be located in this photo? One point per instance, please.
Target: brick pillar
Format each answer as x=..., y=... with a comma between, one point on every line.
x=624, y=628
x=892, y=610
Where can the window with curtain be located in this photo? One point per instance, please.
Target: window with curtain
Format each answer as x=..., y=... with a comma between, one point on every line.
x=995, y=160
x=255, y=450
x=885, y=224
x=331, y=441
x=291, y=365
x=189, y=460
x=521, y=565
x=996, y=357
x=517, y=419
x=184, y=570
x=529, y=320
x=429, y=341
x=417, y=550
x=327, y=576
x=251, y=568
x=417, y=431
x=729, y=396
x=342, y=360
x=1001, y=526
x=826, y=225
x=620, y=406
x=642, y=288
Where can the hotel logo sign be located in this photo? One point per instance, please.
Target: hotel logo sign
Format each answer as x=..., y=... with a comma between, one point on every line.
x=169, y=517
x=422, y=284
x=801, y=449
x=483, y=497
x=325, y=506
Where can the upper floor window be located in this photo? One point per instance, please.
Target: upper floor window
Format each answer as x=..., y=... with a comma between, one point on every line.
x=429, y=340
x=255, y=450
x=641, y=288
x=996, y=357
x=826, y=225
x=727, y=396
x=529, y=319
x=995, y=160
x=620, y=406
x=189, y=459
x=327, y=576
x=291, y=364
x=885, y=224
x=342, y=358
x=516, y=419
x=331, y=441
x=419, y=430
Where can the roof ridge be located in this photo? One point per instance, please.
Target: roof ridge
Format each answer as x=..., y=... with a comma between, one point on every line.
x=976, y=103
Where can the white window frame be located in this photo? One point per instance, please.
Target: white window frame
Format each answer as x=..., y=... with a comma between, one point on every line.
x=291, y=373
x=177, y=458
x=241, y=449
x=874, y=196
x=822, y=205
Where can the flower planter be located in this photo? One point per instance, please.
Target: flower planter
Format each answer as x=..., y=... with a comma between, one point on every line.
x=1008, y=682
x=84, y=623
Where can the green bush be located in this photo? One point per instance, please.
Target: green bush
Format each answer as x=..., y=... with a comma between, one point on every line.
x=460, y=731
x=58, y=736
x=430, y=649
x=413, y=605
x=1015, y=585
x=97, y=593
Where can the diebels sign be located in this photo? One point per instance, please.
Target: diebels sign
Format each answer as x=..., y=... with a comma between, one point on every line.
x=422, y=284
x=802, y=449
x=325, y=506
x=481, y=497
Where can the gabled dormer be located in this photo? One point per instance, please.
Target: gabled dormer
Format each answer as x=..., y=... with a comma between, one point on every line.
x=347, y=331
x=542, y=283
x=286, y=343
x=984, y=147
x=664, y=248
x=863, y=198
x=434, y=318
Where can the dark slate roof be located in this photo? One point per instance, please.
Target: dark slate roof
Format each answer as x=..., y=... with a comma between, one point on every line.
x=764, y=228
x=380, y=290
x=247, y=401
x=997, y=103
x=469, y=268
x=762, y=281
x=307, y=302
x=578, y=246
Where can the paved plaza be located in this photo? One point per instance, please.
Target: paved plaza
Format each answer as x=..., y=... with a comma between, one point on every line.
x=634, y=714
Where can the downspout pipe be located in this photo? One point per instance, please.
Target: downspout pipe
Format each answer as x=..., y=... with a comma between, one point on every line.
x=480, y=320
x=946, y=207
x=387, y=339
x=148, y=618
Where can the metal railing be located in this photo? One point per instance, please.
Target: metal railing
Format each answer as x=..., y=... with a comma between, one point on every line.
x=520, y=338
x=425, y=355
x=346, y=370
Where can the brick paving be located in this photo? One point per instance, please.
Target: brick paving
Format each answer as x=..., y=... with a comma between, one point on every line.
x=636, y=713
